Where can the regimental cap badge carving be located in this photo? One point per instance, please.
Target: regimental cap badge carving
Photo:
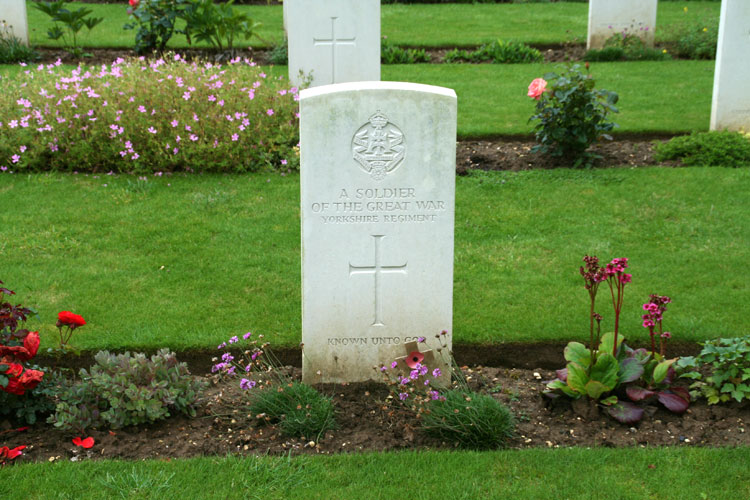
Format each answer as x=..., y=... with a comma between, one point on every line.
x=378, y=146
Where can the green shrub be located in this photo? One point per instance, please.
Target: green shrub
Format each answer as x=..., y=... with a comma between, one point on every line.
x=572, y=115
x=711, y=149
x=393, y=54
x=728, y=365
x=124, y=389
x=217, y=24
x=499, y=52
x=136, y=116
x=696, y=40
x=625, y=47
x=155, y=22
x=68, y=23
x=12, y=50
x=472, y=420
x=279, y=54
x=299, y=409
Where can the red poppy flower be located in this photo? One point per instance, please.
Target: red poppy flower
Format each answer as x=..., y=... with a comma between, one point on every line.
x=414, y=358
x=70, y=319
x=84, y=443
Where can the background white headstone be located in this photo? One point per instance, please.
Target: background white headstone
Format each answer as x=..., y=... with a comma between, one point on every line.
x=334, y=41
x=13, y=13
x=730, y=108
x=607, y=17
x=377, y=201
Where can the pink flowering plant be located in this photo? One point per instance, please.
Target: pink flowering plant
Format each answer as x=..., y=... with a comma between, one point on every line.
x=571, y=114
x=273, y=396
x=609, y=373
x=138, y=116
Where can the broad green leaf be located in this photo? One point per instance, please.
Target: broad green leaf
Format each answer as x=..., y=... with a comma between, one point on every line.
x=595, y=389
x=575, y=352
x=559, y=384
x=605, y=370
x=630, y=370
x=625, y=412
x=608, y=342
x=577, y=378
x=660, y=372
x=609, y=401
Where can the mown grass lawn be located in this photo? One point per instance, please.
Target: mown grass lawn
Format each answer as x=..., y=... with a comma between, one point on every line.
x=187, y=261
x=573, y=473
x=451, y=25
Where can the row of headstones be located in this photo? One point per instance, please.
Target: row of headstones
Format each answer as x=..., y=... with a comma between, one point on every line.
x=333, y=41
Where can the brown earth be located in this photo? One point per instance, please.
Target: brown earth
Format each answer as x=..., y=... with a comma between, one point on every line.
x=368, y=420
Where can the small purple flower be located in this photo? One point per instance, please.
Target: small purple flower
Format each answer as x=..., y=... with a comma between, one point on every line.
x=230, y=371
x=247, y=384
x=15, y=158
x=434, y=395
x=269, y=112
x=404, y=381
x=394, y=364
x=23, y=149
x=223, y=345
x=421, y=340
x=423, y=370
x=255, y=356
x=226, y=357
x=248, y=368
x=414, y=375
x=234, y=340
x=402, y=396
x=436, y=372
x=427, y=382
x=383, y=368
x=247, y=335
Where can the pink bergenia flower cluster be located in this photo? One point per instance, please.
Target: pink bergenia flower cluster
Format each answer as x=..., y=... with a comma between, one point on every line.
x=134, y=111
x=652, y=320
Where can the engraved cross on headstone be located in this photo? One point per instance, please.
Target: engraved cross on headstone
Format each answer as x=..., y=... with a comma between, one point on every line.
x=333, y=42
x=377, y=270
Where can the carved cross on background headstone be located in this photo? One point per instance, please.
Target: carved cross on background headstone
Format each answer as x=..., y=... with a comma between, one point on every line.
x=429, y=357
x=334, y=42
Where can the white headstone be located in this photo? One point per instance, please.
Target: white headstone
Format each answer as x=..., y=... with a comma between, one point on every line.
x=730, y=108
x=333, y=41
x=13, y=19
x=377, y=202
x=607, y=17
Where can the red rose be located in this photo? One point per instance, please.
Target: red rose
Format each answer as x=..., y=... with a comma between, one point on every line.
x=70, y=319
x=25, y=352
x=31, y=379
x=134, y=3
x=15, y=387
x=14, y=370
x=31, y=343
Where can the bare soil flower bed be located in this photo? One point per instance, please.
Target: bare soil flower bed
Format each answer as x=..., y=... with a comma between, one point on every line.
x=368, y=421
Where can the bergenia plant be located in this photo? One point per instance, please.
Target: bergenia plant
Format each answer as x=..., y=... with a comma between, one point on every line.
x=652, y=320
x=617, y=279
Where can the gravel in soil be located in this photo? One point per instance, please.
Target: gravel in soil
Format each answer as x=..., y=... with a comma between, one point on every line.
x=368, y=421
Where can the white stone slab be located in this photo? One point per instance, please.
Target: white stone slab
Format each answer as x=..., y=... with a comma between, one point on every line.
x=607, y=17
x=333, y=41
x=730, y=108
x=377, y=203
x=13, y=18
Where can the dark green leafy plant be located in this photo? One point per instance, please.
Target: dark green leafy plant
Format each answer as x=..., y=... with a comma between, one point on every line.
x=155, y=21
x=124, y=389
x=626, y=47
x=68, y=23
x=497, y=51
x=727, y=362
x=297, y=408
x=12, y=50
x=218, y=24
x=393, y=54
x=711, y=149
x=279, y=54
x=472, y=420
x=697, y=40
x=572, y=115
